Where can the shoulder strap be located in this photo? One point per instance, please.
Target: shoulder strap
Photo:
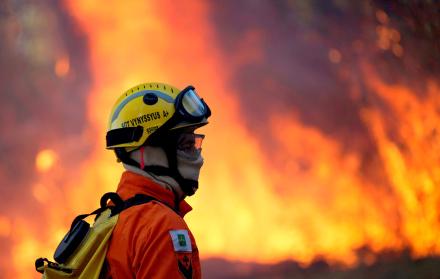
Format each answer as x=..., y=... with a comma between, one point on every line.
x=117, y=206
x=135, y=200
x=79, y=227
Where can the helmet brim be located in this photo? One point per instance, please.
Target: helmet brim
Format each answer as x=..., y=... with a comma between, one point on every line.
x=184, y=124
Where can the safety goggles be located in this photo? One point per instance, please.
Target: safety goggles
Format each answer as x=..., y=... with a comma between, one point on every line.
x=190, y=142
x=190, y=107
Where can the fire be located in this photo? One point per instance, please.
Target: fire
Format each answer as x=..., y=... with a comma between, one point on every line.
x=388, y=38
x=62, y=66
x=308, y=199
x=334, y=56
x=5, y=226
x=411, y=159
x=41, y=193
x=45, y=160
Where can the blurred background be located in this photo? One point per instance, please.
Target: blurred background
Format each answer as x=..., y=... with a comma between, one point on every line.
x=322, y=155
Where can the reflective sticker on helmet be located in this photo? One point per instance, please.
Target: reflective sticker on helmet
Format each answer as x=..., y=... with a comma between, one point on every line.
x=159, y=94
x=181, y=241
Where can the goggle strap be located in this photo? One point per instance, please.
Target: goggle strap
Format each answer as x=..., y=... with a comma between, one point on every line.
x=124, y=135
x=208, y=110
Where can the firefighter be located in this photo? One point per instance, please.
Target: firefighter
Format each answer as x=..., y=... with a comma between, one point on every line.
x=152, y=131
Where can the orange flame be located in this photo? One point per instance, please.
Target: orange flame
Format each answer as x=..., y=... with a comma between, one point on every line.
x=411, y=159
x=62, y=66
x=45, y=160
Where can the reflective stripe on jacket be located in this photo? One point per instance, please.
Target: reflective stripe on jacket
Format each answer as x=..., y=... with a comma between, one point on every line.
x=151, y=240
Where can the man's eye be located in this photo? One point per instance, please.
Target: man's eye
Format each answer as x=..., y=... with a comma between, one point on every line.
x=186, y=146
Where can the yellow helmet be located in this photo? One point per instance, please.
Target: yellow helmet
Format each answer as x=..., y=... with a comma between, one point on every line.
x=148, y=108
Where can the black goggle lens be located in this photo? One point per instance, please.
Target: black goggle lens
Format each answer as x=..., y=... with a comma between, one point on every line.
x=190, y=141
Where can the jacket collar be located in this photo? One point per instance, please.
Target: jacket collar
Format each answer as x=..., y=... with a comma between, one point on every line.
x=132, y=184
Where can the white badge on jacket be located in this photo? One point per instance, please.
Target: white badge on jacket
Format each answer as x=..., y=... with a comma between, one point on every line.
x=181, y=241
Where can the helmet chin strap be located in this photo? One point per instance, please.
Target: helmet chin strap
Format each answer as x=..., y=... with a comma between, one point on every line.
x=188, y=186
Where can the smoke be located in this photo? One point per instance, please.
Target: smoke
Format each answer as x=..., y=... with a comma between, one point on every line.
x=39, y=109
x=44, y=80
x=292, y=71
x=292, y=74
x=304, y=59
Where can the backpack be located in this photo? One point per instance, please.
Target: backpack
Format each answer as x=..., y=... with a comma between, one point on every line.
x=81, y=253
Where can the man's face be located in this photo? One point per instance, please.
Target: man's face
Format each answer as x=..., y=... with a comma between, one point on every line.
x=189, y=158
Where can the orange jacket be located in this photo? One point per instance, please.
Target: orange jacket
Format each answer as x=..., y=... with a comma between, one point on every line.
x=151, y=240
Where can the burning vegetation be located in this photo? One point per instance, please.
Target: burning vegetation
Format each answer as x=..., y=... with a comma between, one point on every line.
x=322, y=157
